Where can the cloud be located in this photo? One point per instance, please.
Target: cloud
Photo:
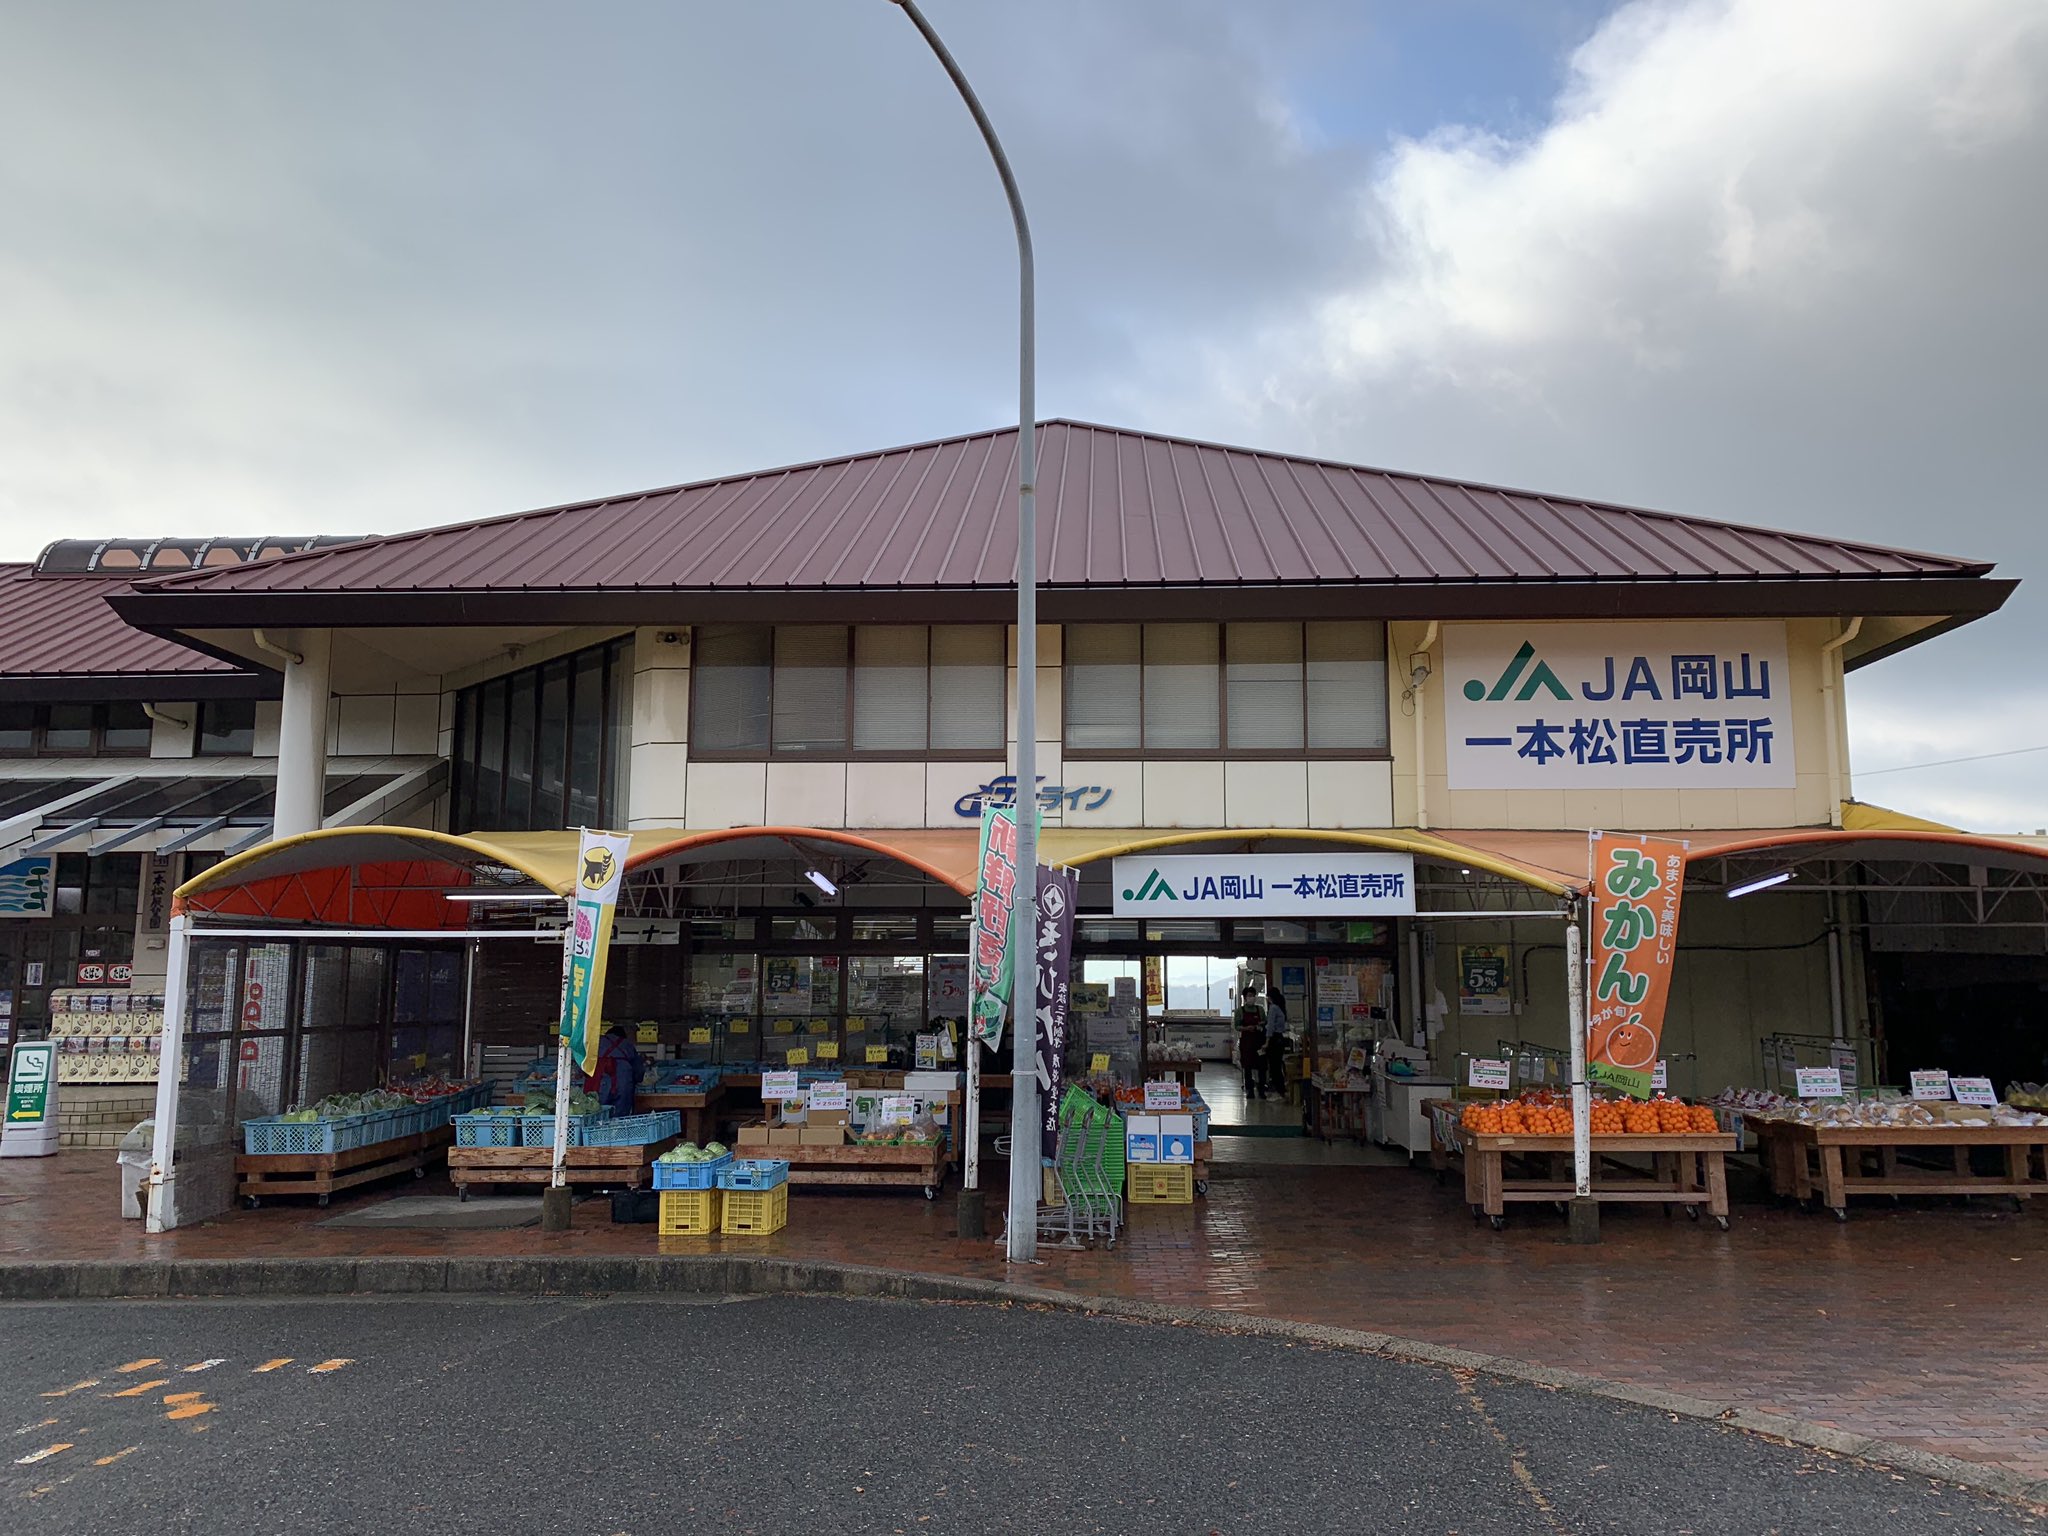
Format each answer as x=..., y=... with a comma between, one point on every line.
x=1770, y=262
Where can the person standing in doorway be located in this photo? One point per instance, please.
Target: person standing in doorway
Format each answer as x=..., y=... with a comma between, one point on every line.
x=1251, y=1047
x=617, y=1078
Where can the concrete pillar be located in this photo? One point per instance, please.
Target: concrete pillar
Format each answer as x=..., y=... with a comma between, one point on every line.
x=302, y=733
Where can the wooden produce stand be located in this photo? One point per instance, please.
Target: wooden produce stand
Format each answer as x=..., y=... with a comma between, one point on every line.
x=1686, y=1170
x=865, y=1166
x=695, y=1108
x=1834, y=1161
x=616, y=1167
x=1337, y=1109
x=324, y=1174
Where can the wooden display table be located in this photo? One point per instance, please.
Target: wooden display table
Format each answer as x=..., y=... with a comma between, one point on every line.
x=1689, y=1170
x=695, y=1108
x=1829, y=1160
x=864, y=1166
x=323, y=1174
x=618, y=1167
x=1337, y=1109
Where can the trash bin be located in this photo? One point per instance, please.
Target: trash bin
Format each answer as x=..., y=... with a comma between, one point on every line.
x=134, y=1163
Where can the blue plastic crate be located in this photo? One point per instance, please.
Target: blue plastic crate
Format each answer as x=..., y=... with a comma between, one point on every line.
x=269, y=1136
x=634, y=1130
x=480, y=1128
x=754, y=1173
x=691, y=1175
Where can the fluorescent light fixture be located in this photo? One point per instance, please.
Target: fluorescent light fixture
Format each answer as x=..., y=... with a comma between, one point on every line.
x=522, y=896
x=1760, y=885
x=821, y=882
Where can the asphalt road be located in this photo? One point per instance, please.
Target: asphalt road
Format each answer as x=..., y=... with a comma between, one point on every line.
x=818, y=1416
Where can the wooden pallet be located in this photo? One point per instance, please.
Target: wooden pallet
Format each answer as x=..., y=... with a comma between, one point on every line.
x=323, y=1174
x=863, y=1167
x=614, y=1167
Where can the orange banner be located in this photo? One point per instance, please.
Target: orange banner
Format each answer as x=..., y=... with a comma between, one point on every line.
x=1636, y=885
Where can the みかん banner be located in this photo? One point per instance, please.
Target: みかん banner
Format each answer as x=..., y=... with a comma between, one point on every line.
x=600, y=871
x=1637, y=882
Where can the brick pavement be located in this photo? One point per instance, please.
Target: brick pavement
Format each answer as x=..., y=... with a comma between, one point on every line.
x=1919, y=1325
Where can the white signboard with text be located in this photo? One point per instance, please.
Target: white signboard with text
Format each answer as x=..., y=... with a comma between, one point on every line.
x=1265, y=885
x=1597, y=706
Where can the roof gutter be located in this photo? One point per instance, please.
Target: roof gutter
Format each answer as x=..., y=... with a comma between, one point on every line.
x=1835, y=707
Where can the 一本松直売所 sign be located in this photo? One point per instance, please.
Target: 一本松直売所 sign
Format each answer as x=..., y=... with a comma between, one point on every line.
x=1591, y=706
x=1264, y=885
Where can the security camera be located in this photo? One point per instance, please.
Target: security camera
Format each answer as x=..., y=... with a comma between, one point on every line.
x=1418, y=668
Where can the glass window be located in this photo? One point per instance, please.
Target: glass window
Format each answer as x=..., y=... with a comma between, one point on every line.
x=892, y=688
x=1181, y=698
x=810, y=690
x=67, y=729
x=126, y=730
x=227, y=727
x=969, y=684
x=522, y=702
x=17, y=729
x=619, y=752
x=1102, y=685
x=1262, y=685
x=489, y=807
x=586, y=740
x=1347, y=685
x=551, y=746
x=731, y=671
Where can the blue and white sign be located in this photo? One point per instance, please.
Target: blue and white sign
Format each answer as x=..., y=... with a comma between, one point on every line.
x=28, y=887
x=1600, y=706
x=1300, y=885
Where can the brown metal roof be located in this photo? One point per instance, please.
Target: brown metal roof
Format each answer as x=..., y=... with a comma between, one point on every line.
x=1118, y=510
x=58, y=637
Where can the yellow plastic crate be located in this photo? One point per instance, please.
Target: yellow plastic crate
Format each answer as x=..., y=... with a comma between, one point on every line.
x=690, y=1212
x=1161, y=1183
x=755, y=1212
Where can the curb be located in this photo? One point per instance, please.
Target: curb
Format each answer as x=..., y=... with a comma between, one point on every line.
x=748, y=1275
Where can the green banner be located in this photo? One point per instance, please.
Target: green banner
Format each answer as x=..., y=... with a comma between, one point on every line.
x=1637, y=1085
x=995, y=890
x=600, y=871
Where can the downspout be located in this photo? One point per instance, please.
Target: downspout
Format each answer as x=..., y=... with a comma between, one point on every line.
x=168, y=719
x=264, y=643
x=1832, y=676
x=1418, y=676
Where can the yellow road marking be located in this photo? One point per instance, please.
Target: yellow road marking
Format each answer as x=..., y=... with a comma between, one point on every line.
x=43, y=1455
x=136, y=1365
x=108, y=1461
x=190, y=1411
x=272, y=1365
x=172, y=1399
x=328, y=1365
x=139, y=1390
x=29, y=1429
x=204, y=1365
x=76, y=1386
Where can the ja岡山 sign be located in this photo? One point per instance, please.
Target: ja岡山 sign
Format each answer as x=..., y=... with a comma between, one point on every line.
x=1592, y=706
x=1304, y=885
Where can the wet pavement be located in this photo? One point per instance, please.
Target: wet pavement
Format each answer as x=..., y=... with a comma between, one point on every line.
x=1919, y=1324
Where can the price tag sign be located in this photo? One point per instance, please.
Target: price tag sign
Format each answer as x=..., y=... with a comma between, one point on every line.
x=1818, y=1082
x=819, y=1026
x=1163, y=1095
x=828, y=1050
x=700, y=1035
x=738, y=1027
x=647, y=1034
x=1660, y=1078
x=878, y=1055
x=785, y=1026
x=1930, y=1085
x=797, y=1056
x=1974, y=1090
x=828, y=1095
x=778, y=1085
x=1487, y=1074
x=897, y=1108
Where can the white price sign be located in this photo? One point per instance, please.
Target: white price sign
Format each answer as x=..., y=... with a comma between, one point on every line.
x=828, y=1095
x=1974, y=1090
x=1930, y=1085
x=1487, y=1074
x=1819, y=1083
x=1163, y=1095
x=778, y=1085
x=1660, y=1078
x=897, y=1108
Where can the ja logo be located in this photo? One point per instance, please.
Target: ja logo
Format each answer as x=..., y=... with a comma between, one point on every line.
x=1153, y=888
x=1541, y=678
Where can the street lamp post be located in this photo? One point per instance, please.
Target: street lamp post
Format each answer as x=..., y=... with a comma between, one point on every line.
x=1021, y=1234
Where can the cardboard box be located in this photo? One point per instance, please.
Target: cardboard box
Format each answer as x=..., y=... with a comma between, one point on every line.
x=828, y=1118
x=1141, y=1138
x=1176, y=1138
x=785, y=1136
x=754, y=1136
x=823, y=1136
x=923, y=1083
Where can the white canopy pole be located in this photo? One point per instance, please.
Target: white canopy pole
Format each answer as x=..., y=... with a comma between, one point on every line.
x=562, y=1053
x=163, y=1152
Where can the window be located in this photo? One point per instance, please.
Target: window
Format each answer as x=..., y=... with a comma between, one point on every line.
x=1254, y=689
x=830, y=692
x=227, y=728
x=73, y=730
x=544, y=747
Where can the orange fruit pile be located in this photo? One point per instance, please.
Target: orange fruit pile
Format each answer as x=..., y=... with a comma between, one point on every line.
x=1544, y=1113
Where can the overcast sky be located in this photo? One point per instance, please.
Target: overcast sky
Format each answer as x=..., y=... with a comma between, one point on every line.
x=295, y=267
